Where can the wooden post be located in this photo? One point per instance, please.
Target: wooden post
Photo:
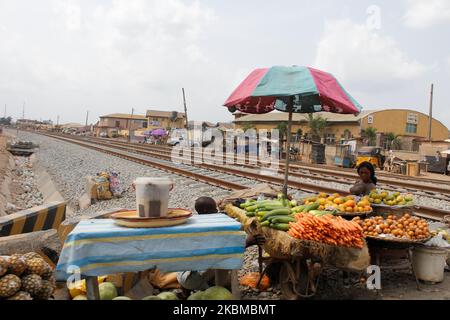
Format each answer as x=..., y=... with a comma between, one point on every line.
x=290, y=107
x=221, y=277
x=92, y=288
x=235, y=285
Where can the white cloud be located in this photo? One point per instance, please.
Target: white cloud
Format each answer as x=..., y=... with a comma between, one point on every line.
x=425, y=13
x=70, y=11
x=364, y=58
x=126, y=53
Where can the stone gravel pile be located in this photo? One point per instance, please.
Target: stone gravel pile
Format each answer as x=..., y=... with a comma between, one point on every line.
x=28, y=193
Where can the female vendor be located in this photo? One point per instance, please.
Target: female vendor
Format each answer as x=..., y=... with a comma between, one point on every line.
x=367, y=180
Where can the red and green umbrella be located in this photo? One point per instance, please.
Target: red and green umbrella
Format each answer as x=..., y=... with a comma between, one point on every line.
x=291, y=89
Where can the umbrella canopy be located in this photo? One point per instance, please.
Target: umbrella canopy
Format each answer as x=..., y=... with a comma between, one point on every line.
x=312, y=90
x=159, y=133
x=291, y=89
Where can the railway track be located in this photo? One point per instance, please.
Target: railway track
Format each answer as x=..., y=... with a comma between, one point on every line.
x=319, y=168
x=440, y=192
x=219, y=176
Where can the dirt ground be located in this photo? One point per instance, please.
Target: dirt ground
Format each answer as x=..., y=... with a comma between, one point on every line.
x=395, y=285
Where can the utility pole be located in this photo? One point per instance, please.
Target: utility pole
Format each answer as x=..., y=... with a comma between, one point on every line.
x=87, y=117
x=129, y=125
x=23, y=111
x=186, y=115
x=57, y=120
x=430, y=124
x=5, y=112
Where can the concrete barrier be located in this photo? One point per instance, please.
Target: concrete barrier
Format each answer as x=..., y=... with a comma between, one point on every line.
x=40, y=218
x=46, y=185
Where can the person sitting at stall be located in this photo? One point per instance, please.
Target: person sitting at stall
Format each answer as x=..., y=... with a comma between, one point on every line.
x=202, y=280
x=367, y=180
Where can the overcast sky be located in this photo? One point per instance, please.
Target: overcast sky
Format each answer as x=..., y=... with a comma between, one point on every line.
x=64, y=57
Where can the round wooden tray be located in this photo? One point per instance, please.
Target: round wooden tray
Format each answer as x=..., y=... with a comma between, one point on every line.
x=130, y=219
x=385, y=206
x=398, y=240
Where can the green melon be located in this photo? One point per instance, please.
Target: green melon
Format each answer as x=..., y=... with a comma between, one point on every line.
x=217, y=293
x=196, y=296
x=121, y=298
x=152, y=298
x=107, y=291
x=168, y=296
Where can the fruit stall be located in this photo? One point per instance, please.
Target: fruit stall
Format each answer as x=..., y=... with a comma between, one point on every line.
x=345, y=232
x=303, y=239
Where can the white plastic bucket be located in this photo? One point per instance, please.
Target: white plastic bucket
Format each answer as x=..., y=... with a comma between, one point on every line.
x=429, y=263
x=152, y=196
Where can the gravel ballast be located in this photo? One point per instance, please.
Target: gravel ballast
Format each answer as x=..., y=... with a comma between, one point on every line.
x=69, y=164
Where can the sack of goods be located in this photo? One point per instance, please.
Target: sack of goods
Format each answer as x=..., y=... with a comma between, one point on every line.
x=102, y=186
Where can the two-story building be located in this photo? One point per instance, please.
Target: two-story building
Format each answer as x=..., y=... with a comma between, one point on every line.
x=120, y=124
x=165, y=120
x=410, y=126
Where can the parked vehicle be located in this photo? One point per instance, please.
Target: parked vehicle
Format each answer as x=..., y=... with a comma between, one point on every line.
x=371, y=154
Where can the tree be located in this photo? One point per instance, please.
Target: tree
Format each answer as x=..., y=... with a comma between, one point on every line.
x=347, y=134
x=282, y=128
x=316, y=126
x=299, y=134
x=370, y=134
x=6, y=121
x=393, y=141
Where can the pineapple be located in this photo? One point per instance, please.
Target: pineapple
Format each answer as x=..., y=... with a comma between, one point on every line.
x=32, y=284
x=47, y=290
x=48, y=273
x=31, y=255
x=21, y=295
x=37, y=266
x=17, y=265
x=9, y=285
x=4, y=266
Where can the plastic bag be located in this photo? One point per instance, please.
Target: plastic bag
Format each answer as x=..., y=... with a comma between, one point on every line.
x=438, y=241
x=115, y=185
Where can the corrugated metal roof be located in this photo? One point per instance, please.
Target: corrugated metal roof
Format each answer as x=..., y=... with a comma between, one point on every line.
x=298, y=117
x=125, y=116
x=163, y=114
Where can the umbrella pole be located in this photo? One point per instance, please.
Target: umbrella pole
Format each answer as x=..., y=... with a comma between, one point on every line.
x=288, y=146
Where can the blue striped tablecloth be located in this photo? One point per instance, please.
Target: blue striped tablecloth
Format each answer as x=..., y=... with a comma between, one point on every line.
x=100, y=247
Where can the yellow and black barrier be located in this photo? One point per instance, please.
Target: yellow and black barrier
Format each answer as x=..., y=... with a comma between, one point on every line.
x=35, y=219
